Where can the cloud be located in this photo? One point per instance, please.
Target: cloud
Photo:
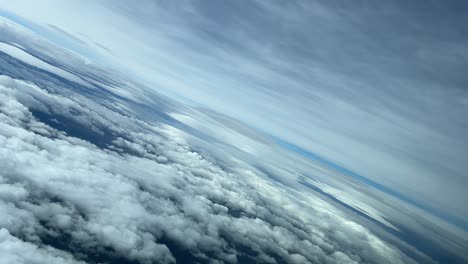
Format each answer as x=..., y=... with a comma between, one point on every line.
x=14, y=250
x=117, y=173
x=382, y=81
x=119, y=205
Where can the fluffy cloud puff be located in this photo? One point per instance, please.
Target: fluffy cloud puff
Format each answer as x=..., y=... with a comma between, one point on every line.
x=148, y=197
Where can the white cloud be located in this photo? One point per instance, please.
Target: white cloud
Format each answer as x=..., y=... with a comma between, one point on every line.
x=352, y=88
x=100, y=198
x=214, y=188
x=34, y=62
x=14, y=250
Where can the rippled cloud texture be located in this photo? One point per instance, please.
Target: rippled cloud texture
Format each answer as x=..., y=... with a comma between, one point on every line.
x=311, y=132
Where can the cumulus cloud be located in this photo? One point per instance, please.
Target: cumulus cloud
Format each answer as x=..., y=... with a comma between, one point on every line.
x=150, y=196
x=14, y=250
x=381, y=80
x=115, y=173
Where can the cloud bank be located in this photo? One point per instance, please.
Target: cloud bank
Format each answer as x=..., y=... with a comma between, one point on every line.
x=97, y=168
x=110, y=204
x=384, y=81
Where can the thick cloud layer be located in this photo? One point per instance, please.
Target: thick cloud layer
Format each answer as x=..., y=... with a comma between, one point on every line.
x=66, y=193
x=96, y=168
x=386, y=81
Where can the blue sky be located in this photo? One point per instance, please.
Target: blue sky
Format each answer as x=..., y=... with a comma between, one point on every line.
x=309, y=131
x=376, y=88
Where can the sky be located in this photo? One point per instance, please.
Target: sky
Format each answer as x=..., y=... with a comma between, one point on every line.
x=378, y=89
x=362, y=103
